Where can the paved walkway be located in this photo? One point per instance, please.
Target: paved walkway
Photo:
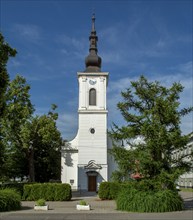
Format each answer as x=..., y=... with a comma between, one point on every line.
x=99, y=210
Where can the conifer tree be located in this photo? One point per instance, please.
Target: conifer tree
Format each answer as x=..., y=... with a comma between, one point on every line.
x=151, y=113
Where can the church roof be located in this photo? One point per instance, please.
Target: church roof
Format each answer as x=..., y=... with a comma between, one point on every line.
x=93, y=61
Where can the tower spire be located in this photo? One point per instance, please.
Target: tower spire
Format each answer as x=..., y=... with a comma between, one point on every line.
x=93, y=61
x=93, y=22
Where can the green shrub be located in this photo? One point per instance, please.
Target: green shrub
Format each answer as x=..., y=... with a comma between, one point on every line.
x=41, y=202
x=13, y=185
x=110, y=190
x=149, y=201
x=83, y=202
x=155, y=184
x=104, y=190
x=33, y=192
x=9, y=200
x=114, y=190
x=37, y=191
x=62, y=192
x=47, y=191
x=26, y=191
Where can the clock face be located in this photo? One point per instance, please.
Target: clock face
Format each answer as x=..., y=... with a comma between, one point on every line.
x=92, y=81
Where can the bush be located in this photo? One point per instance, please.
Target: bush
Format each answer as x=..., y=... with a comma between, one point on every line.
x=9, y=200
x=149, y=201
x=41, y=202
x=47, y=191
x=83, y=202
x=110, y=190
x=104, y=190
x=62, y=192
x=13, y=185
x=114, y=189
x=34, y=191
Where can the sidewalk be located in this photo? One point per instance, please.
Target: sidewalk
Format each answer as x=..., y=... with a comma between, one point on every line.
x=97, y=205
x=99, y=210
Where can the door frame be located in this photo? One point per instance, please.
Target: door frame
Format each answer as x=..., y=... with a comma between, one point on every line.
x=89, y=174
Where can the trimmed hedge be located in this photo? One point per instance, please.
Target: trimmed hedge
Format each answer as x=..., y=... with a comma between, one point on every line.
x=47, y=191
x=9, y=200
x=150, y=201
x=114, y=190
x=104, y=190
x=109, y=190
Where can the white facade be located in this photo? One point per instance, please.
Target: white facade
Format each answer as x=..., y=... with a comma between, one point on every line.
x=186, y=180
x=84, y=159
x=85, y=163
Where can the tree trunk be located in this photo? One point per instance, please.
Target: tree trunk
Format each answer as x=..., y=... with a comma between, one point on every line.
x=31, y=165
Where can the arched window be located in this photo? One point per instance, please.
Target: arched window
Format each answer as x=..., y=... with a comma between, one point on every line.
x=92, y=97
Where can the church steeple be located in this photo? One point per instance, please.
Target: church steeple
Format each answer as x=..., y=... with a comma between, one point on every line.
x=93, y=61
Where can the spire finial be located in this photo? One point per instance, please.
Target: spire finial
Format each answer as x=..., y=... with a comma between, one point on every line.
x=93, y=22
x=93, y=61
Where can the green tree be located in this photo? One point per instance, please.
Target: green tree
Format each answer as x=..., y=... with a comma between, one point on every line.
x=23, y=151
x=19, y=110
x=43, y=142
x=5, y=53
x=151, y=112
x=32, y=143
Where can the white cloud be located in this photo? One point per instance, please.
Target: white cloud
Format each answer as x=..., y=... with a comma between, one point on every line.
x=67, y=122
x=64, y=51
x=111, y=34
x=15, y=63
x=115, y=57
x=127, y=42
x=68, y=125
x=72, y=46
x=185, y=68
x=181, y=73
x=28, y=31
x=120, y=85
x=160, y=43
x=72, y=42
x=187, y=124
x=41, y=111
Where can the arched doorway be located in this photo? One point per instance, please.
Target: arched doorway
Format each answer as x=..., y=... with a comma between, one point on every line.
x=92, y=175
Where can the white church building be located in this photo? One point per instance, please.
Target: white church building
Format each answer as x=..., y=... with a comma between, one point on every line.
x=85, y=160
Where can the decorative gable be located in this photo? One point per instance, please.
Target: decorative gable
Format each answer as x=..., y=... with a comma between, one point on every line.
x=92, y=165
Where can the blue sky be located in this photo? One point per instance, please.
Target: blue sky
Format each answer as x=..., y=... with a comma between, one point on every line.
x=136, y=37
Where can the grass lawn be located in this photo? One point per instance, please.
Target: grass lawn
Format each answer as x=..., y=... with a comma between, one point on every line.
x=186, y=189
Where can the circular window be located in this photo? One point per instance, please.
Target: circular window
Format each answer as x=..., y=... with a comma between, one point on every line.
x=92, y=130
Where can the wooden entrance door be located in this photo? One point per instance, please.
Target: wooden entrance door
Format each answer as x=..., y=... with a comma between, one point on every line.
x=92, y=183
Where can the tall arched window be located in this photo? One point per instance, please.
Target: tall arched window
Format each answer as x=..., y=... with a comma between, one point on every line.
x=92, y=97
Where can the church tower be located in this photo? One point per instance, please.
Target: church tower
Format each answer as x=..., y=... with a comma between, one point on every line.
x=84, y=159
